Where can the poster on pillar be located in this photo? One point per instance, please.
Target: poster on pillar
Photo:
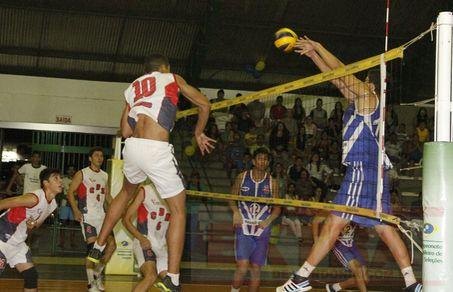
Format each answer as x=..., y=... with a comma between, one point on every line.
x=438, y=216
x=122, y=261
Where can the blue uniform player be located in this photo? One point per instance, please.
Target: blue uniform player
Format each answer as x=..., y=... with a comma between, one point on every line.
x=360, y=156
x=252, y=220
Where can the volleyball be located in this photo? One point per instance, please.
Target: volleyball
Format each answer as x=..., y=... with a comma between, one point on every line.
x=189, y=150
x=285, y=39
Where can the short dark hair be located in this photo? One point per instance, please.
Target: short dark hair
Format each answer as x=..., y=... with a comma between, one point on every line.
x=36, y=153
x=154, y=61
x=95, y=149
x=374, y=76
x=261, y=150
x=46, y=174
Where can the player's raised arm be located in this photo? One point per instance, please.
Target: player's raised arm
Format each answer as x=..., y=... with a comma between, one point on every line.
x=205, y=143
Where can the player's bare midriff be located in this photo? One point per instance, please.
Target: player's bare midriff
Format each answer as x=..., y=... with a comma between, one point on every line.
x=147, y=128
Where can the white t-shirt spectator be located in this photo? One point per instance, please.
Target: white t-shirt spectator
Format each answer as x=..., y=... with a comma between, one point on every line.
x=31, y=177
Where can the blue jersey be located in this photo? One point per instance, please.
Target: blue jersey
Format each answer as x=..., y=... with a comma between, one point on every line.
x=361, y=138
x=254, y=213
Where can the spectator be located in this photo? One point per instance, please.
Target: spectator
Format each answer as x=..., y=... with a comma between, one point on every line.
x=393, y=148
x=247, y=162
x=391, y=119
x=337, y=114
x=401, y=133
x=298, y=110
x=304, y=185
x=310, y=128
x=280, y=176
x=334, y=157
x=319, y=172
x=244, y=122
x=278, y=110
x=319, y=115
x=257, y=110
x=301, y=138
x=422, y=116
x=412, y=150
x=290, y=123
x=295, y=169
x=333, y=129
x=290, y=216
x=234, y=153
x=422, y=132
x=279, y=138
x=259, y=143
x=30, y=172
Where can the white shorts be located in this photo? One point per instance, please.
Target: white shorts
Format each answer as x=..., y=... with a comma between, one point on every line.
x=143, y=256
x=154, y=159
x=14, y=254
x=91, y=225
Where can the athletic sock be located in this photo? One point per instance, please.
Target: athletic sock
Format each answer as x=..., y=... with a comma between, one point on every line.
x=408, y=275
x=174, y=278
x=97, y=246
x=336, y=287
x=90, y=275
x=99, y=268
x=235, y=289
x=305, y=270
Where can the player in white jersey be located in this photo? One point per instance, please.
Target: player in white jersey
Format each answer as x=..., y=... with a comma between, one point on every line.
x=30, y=172
x=90, y=185
x=148, y=117
x=24, y=213
x=150, y=244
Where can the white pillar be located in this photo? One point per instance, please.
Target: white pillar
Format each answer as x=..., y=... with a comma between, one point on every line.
x=443, y=93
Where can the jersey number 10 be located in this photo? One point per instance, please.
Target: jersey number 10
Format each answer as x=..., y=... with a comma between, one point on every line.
x=144, y=88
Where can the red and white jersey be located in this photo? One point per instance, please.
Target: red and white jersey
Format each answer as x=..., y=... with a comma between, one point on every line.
x=13, y=224
x=153, y=217
x=91, y=192
x=154, y=95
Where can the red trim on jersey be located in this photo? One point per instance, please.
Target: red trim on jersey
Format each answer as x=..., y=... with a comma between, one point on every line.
x=82, y=191
x=144, y=104
x=17, y=215
x=171, y=91
x=142, y=214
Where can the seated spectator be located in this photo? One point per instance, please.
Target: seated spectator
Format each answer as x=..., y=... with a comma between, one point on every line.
x=393, y=148
x=279, y=138
x=220, y=97
x=333, y=130
x=310, y=128
x=337, y=114
x=234, y=153
x=301, y=138
x=391, y=119
x=304, y=185
x=290, y=123
x=280, y=175
x=334, y=157
x=290, y=214
x=412, y=150
x=295, y=169
x=259, y=143
x=319, y=115
x=422, y=132
x=298, y=110
x=237, y=110
x=247, y=162
x=244, y=122
x=257, y=109
x=422, y=116
x=319, y=172
x=194, y=182
x=401, y=133
x=278, y=110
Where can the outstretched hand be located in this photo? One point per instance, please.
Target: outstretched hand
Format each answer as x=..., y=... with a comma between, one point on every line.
x=305, y=46
x=205, y=143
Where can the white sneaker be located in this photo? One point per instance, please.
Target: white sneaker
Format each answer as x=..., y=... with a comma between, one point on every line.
x=295, y=283
x=99, y=283
x=92, y=287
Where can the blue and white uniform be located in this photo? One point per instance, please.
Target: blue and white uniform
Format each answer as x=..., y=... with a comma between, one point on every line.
x=360, y=156
x=345, y=248
x=251, y=241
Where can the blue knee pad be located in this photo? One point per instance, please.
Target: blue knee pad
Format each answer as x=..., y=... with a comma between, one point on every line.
x=30, y=278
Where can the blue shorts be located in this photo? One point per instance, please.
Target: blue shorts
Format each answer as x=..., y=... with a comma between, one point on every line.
x=251, y=248
x=65, y=213
x=345, y=254
x=358, y=189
